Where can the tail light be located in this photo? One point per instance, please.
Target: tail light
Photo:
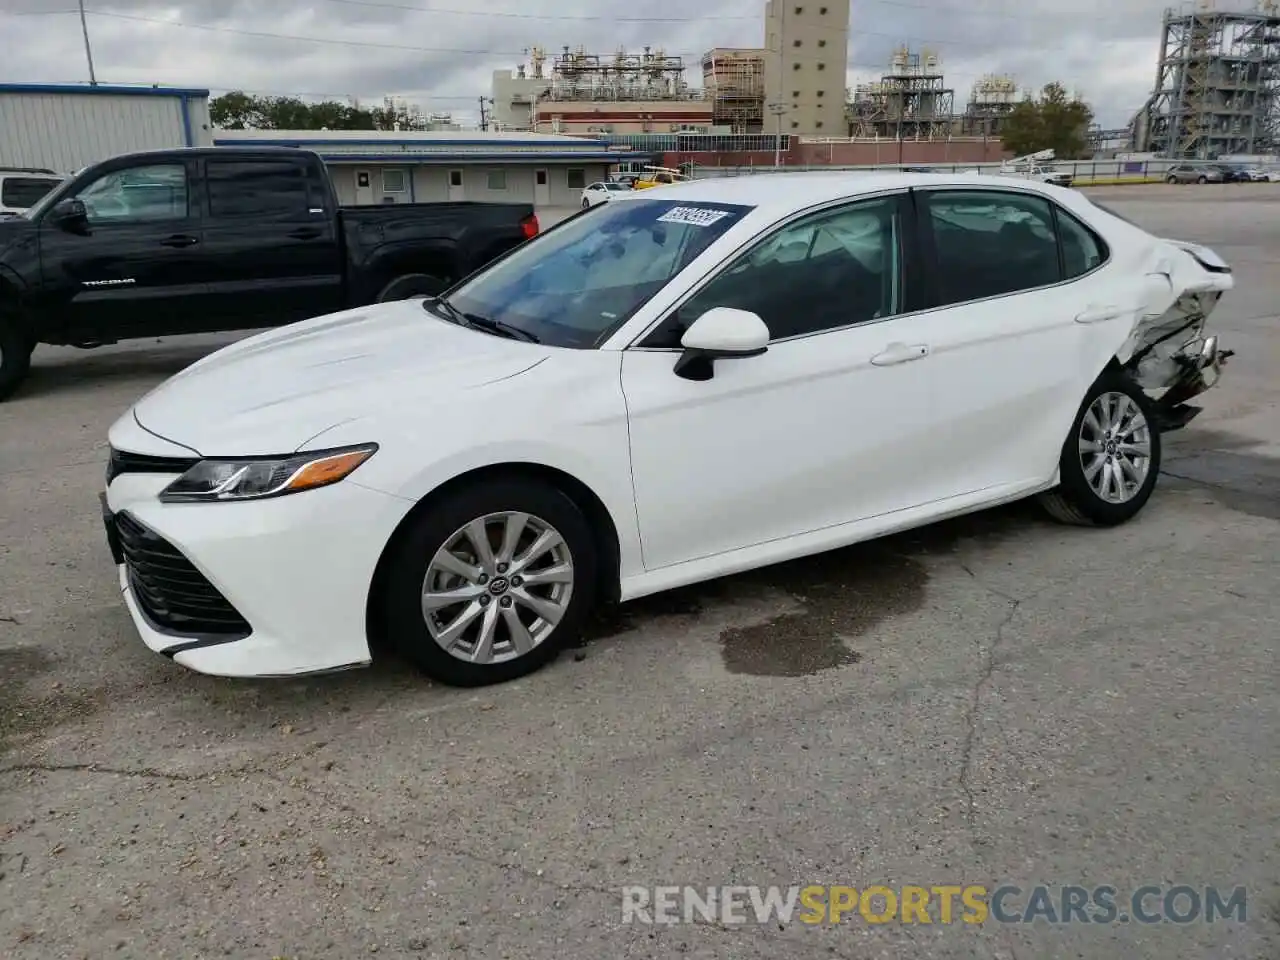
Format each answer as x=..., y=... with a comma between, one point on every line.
x=530, y=226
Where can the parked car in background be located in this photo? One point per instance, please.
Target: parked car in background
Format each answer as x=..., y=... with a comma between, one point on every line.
x=22, y=187
x=468, y=475
x=1194, y=173
x=188, y=241
x=603, y=191
x=1256, y=174
x=1233, y=172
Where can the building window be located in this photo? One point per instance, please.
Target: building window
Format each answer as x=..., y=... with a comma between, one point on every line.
x=820, y=92
x=795, y=43
x=455, y=178
x=822, y=10
x=795, y=93
x=799, y=10
x=576, y=179
x=818, y=123
x=822, y=43
x=794, y=124
x=822, y=66
x=393, y=181
x=795, y=66
x=497, y=179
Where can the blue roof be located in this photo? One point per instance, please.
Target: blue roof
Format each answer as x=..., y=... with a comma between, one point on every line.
x=102, y=89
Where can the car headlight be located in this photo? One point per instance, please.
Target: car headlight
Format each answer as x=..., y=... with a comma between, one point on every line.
x=256, y=478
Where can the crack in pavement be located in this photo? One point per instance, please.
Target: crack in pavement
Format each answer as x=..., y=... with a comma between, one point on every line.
x=971, y=720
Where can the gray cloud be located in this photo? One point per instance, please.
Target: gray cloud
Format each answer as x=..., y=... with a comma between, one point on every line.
x=1105, y=50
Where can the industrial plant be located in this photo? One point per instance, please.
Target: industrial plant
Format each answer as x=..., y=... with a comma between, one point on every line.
x=1217, y=90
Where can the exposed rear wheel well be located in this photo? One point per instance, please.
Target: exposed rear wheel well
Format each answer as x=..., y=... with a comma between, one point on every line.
x=598, y=517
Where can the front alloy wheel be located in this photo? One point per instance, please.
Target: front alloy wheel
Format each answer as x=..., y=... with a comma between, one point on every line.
x=497, y=588
x=488, y=582
x=1111, y=458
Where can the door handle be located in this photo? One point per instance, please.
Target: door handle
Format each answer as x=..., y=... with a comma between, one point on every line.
x=900, y=353
x=1099, y=314
x=179, y=240
x=305, y=233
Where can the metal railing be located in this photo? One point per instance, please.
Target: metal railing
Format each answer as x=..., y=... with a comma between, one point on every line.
x=1081, y=171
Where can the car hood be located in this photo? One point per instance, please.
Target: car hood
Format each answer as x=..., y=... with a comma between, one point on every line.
x=273, y=392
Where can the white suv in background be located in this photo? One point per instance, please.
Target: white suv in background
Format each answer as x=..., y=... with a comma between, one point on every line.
x=21, y=187
x=602, y=191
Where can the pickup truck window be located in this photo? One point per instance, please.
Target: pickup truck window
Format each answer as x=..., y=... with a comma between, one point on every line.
x=257, y=188
x=24, y=192
x=137, y=195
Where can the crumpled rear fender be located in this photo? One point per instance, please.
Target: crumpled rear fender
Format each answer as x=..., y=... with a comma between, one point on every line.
x=1182, y=285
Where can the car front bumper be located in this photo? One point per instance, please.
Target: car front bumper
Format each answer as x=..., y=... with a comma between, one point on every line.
x=295, y=571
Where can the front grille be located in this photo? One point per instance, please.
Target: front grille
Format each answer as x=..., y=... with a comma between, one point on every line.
x=121, y=461
x=174, y=595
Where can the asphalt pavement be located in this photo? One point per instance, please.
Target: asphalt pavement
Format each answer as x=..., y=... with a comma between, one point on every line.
x=994, y=700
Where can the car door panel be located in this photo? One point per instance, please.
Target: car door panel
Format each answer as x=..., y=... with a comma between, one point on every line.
x=808, y=435
x=1011, y=361
x=135, y=269
x=273, y=253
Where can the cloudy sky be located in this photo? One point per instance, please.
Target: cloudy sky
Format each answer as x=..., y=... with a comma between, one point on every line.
x=441, y=53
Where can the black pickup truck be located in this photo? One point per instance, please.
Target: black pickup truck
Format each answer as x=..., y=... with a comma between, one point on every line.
x=199, y=240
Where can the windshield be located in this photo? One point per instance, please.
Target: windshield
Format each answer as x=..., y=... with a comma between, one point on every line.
x=577, y=283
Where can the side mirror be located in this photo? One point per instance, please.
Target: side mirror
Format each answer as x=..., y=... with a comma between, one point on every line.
x=722, y=333
x=70, y=215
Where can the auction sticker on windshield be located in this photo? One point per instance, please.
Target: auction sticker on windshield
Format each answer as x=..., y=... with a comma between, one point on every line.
x=697, y=216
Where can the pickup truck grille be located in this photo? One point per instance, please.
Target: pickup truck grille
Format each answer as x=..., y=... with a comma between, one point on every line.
x=121, y=461
x=175, y=596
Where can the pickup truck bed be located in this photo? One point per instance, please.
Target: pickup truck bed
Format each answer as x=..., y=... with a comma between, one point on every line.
x=199, y=240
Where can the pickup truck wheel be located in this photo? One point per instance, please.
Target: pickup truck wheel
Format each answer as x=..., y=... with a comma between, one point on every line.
x=413, y=285
x=15, y=354
x=1111, y=457
x=489, y=582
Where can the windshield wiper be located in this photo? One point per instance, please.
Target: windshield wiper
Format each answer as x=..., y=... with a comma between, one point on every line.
x=490, y=325
x=451, y=313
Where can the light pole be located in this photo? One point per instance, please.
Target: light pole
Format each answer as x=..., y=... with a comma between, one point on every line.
x=88, y=51
x=777, y=109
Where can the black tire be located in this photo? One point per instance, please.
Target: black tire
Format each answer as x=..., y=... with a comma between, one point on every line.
x=1171, y=180
x=413, y=285
x=1202, y=180
x=15, y=354
x=1074, y=500
x=585, y=204
x=435, y=526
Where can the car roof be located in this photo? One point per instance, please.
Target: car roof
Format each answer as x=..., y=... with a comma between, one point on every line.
x=783, y=193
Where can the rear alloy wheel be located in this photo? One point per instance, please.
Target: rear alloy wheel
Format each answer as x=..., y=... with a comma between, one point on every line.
x=490, y=583
x=1110, y=460
x=1202, y=180
x=1171, y=180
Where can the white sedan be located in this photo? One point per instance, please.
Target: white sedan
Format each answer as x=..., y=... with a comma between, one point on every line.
x=603, y=191
x=690, y=382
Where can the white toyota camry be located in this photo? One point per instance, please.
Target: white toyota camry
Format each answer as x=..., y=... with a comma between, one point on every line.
x=684, y=383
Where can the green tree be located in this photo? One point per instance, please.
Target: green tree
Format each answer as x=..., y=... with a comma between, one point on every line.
x=1054, y=120
x=238, y=110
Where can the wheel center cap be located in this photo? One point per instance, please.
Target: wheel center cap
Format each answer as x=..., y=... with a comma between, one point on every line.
x=498, y=586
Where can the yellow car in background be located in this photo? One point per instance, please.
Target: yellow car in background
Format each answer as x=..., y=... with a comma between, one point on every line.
x=659, y=177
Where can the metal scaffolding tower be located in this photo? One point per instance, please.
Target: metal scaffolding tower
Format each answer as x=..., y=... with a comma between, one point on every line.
x=910, y=102
x=652, y=75
x=990, y=103
x=1217, y=88
x=734, y=80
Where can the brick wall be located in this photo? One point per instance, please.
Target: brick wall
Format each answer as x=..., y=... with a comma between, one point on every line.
x=856, y=153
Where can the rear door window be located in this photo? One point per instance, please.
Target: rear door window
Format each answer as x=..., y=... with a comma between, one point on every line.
x=259, y=189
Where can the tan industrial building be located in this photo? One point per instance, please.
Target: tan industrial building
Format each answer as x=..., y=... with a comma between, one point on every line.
x=733, y=78
x=807, y=45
